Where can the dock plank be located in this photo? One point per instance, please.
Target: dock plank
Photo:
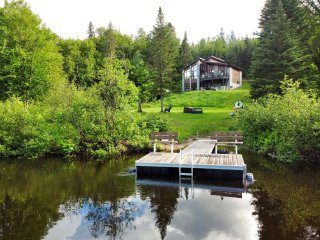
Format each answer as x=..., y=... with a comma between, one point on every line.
x=203, y=158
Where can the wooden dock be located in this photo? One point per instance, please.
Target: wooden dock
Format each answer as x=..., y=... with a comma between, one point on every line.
x=197, y=157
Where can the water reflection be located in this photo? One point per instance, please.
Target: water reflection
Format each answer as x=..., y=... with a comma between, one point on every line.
x=71, y=200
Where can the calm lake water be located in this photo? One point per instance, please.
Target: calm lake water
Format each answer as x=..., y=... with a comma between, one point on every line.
x=54, y=199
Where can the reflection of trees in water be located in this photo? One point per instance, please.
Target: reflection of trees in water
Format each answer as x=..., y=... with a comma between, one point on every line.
x=37, y=190
x=163, y=202
x=287, y=202
x=112, y=218
x=285, y=216
x=30, y=218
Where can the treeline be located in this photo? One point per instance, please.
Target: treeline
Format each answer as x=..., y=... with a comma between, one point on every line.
x=64, y=97
x=153, y=71
x=289, y=44
x=284, y=121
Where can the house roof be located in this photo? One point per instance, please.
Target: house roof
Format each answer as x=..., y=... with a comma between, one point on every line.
x=212, y=60
x=235, y=67
x=215, y=58
x=200, y=58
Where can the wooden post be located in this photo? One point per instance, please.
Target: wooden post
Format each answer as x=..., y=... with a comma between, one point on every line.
x=155, y=146
x=216, y=149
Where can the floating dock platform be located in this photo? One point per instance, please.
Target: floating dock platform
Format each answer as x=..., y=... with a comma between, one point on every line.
x=197, y=160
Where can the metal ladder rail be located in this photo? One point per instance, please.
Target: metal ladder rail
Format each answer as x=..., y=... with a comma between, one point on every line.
x=181, y=174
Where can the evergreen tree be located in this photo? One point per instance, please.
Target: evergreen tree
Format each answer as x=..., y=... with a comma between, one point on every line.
x=185, y=56
x=163, y=54
x=232, y=36
x=278, y=53
x=246, y=57
x=220, y=45
x=312, y=32
x=91, y=33
x=110, y=41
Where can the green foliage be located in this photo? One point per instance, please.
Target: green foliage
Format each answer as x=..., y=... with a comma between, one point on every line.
x=164, y=53
x=277, y=54
x=236, y=51
x=286, y=127
x=91, y=31
x=79, y=61
x=185, y=56
x=282, y=49
x=74, y=122
x=239, y=53
x=30, y=63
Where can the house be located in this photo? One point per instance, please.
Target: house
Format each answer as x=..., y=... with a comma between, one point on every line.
x=211, y=73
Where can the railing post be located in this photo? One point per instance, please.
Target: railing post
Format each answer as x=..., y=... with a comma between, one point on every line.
x=236, y=147
x=172, y=147
x=154, y=146
x=180, y=160
x=192, y=159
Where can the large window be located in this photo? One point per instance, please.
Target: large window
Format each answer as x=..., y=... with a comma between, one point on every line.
x=187, y=74
x=194, y=70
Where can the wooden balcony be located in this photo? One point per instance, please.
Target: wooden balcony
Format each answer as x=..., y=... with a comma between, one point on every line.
x=213, y=76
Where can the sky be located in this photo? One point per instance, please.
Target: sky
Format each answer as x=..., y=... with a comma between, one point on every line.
x=200, y=19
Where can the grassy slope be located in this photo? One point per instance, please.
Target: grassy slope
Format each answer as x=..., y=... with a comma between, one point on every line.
x=216, y=105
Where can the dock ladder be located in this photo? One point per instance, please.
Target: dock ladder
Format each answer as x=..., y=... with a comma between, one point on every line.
x=186, y=176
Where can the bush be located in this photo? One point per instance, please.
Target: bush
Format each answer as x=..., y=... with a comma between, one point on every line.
x=286, y=127
x=73, y=122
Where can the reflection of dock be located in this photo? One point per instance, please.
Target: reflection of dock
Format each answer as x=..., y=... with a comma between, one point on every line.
x=198, y=157
x=232, y=189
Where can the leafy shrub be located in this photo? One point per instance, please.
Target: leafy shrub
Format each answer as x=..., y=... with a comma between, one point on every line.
x=76, y=122
x=286, y=127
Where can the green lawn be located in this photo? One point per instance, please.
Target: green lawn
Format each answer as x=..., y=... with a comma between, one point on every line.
x=216, y=105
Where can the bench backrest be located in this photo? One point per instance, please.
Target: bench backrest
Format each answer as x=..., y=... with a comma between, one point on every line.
x=226, y=136
x=162, y=136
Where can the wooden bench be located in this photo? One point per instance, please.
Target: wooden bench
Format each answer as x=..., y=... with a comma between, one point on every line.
x=227, y=138
x=164, y=138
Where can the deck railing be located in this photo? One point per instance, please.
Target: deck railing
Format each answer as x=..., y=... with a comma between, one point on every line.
x=214, y=75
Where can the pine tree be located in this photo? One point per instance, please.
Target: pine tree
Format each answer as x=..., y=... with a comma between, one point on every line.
x=163, y=54
x=278, y=53
x=91, y=33
x=312, y=33
x=220, y=45
x=185, y=56
x=110, y=41
x=232, y=36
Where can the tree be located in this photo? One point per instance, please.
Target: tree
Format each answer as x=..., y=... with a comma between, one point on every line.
x=185, y=56
x=117, y=94
x=312, y=32
x=163, y=54
x=30, y=63
x=91, y=33
x=79, y=61
x=277, y=53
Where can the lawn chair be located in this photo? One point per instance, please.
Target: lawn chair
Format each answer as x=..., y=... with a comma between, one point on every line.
x=168, y=109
